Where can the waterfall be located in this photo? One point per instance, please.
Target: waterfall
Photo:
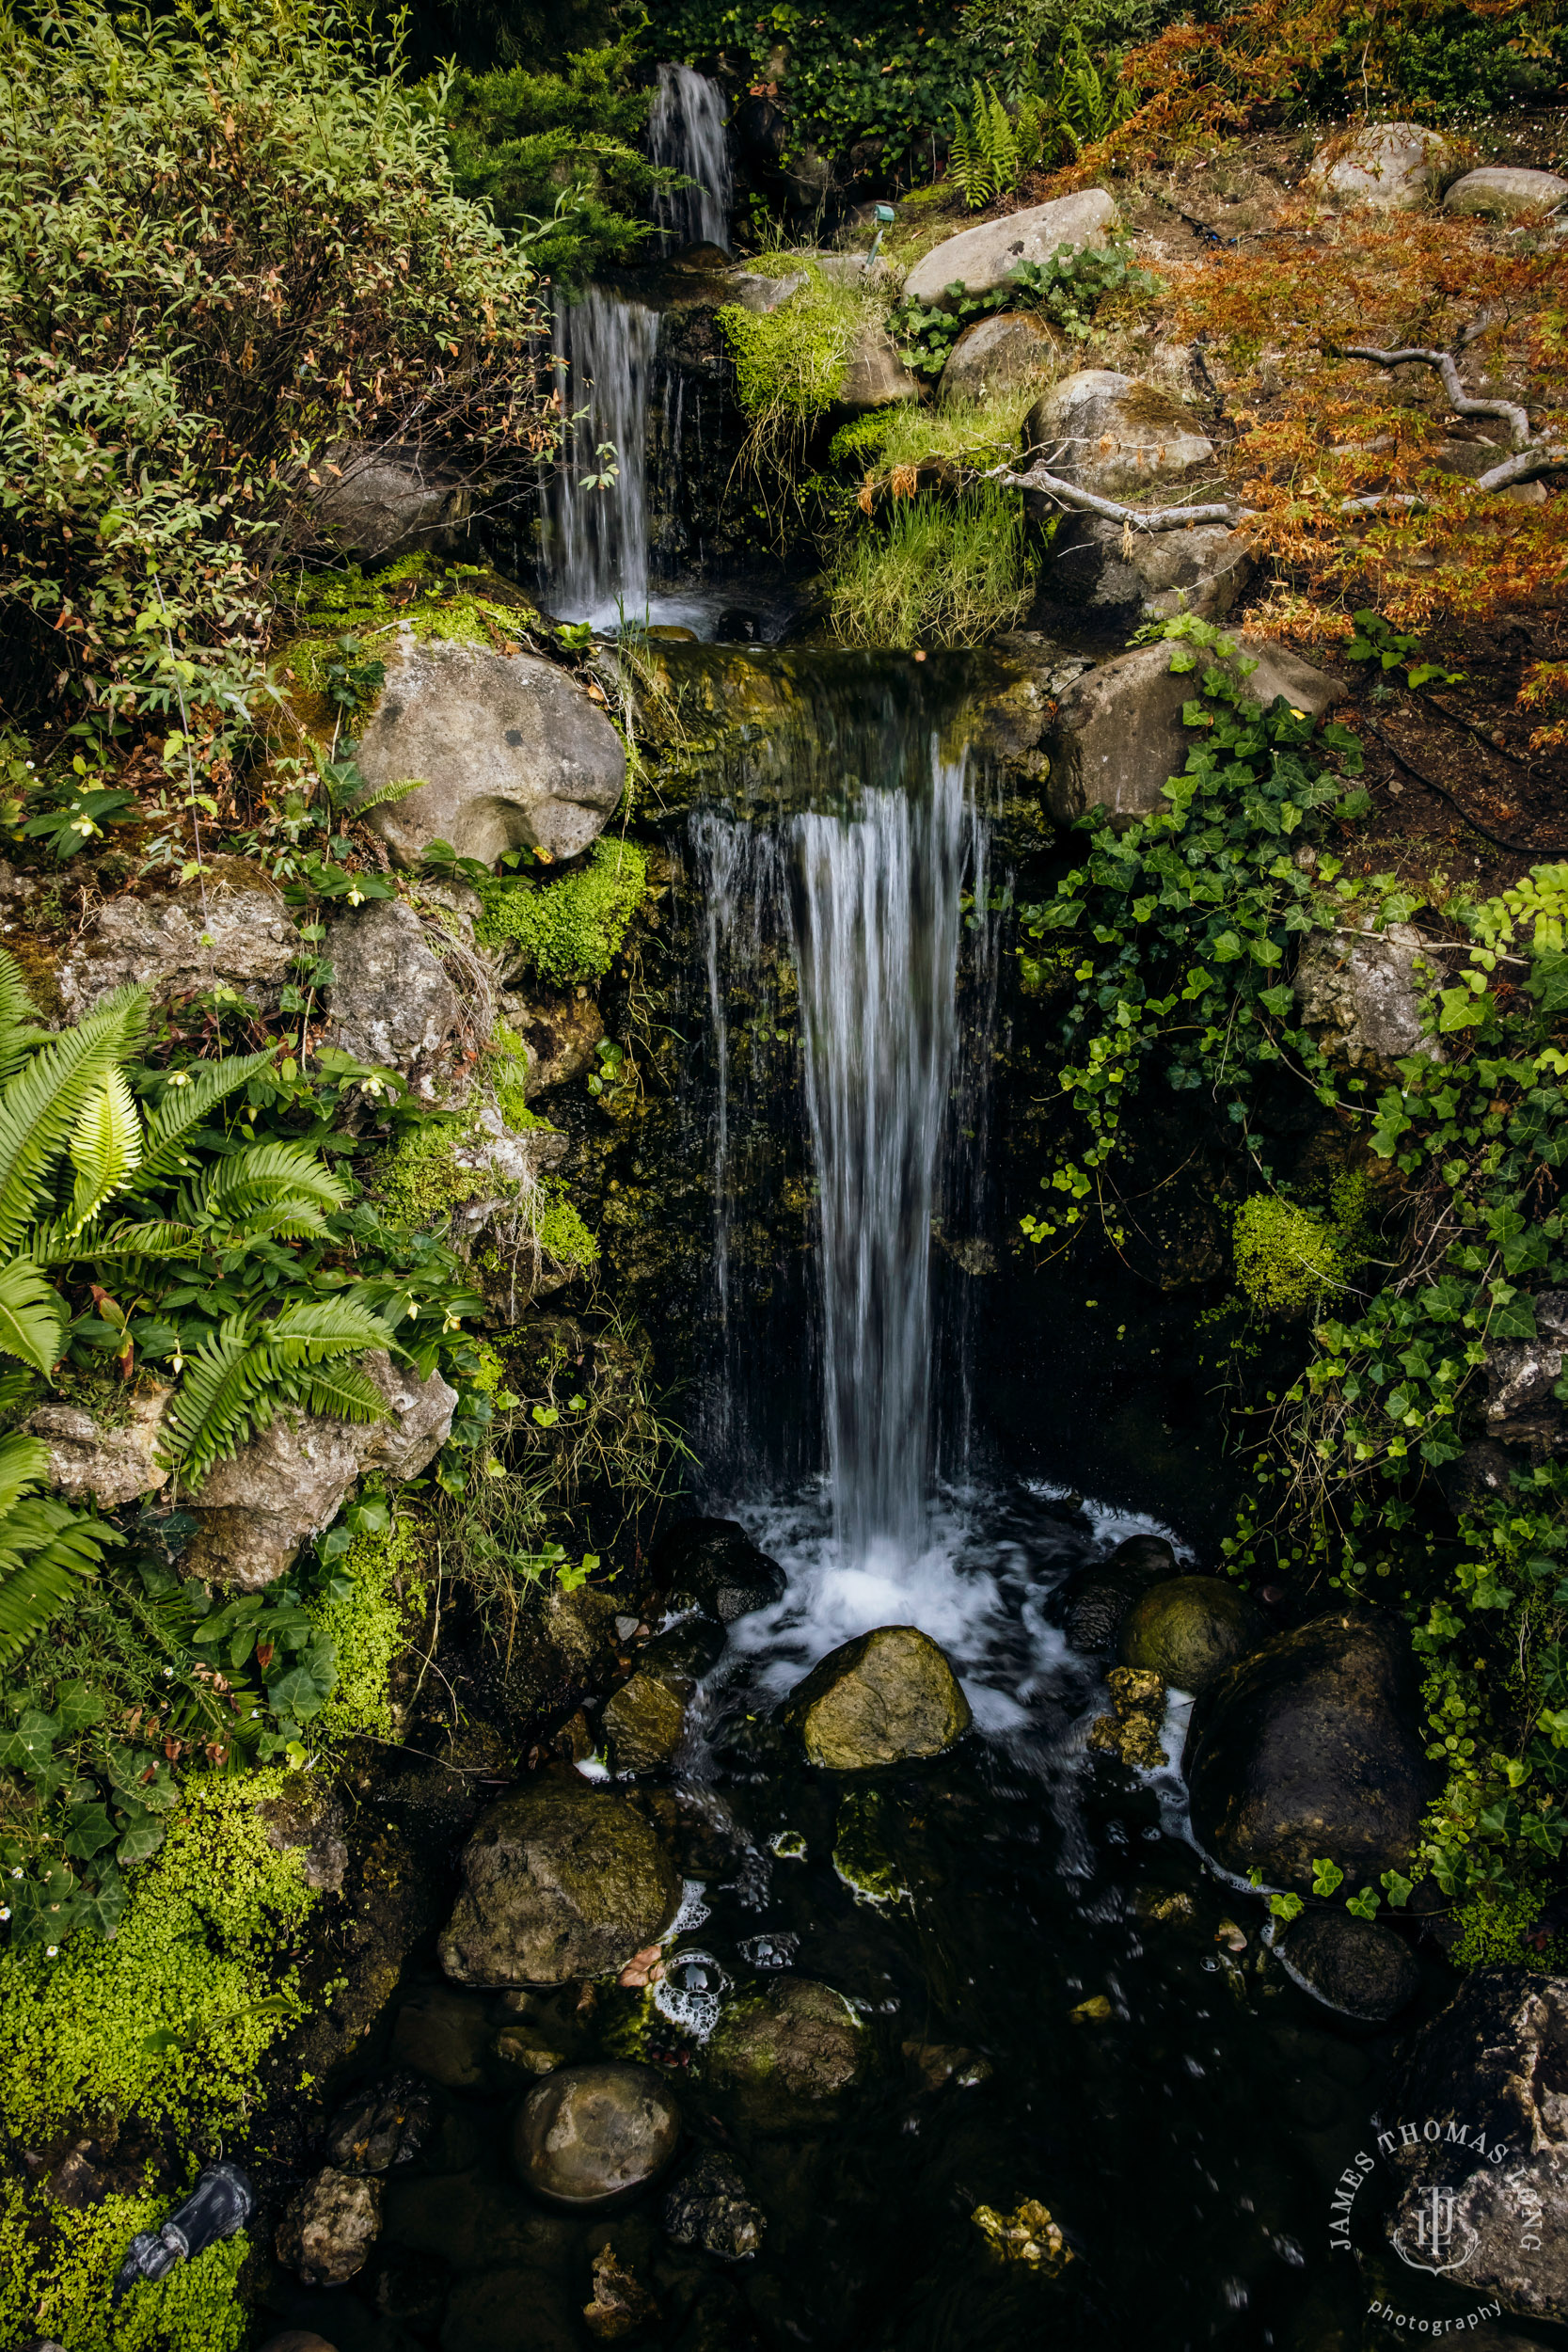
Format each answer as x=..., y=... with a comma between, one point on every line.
x=598, y=538
x=877, y=940
x=685, y=132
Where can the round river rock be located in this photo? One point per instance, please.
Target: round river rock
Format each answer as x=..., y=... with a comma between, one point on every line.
x=559, y=1880
x=883, y=1699
x=1353, y=1965
x=1189, y=1630
x=588, y=2135
x=786, y=2053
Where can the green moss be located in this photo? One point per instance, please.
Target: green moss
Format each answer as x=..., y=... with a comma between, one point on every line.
x=430, y=600
x=560, y=1232
x=418, y=1180
x=507, y=1071
x=1286, y=1256
x=57, y=2266
x=170, y=2019
x=571, y=929
x=860, y=1855
x=369, y=1629
x=790, y=362
x=1493, y=1927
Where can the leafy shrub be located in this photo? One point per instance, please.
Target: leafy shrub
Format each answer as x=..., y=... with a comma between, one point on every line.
x=561, y=156
x=570, y=930
x=1068, y=290
x=938, y=573
x=234, y=247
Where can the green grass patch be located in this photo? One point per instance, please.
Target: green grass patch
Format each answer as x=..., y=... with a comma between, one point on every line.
x=938, y=572
x=571, y=929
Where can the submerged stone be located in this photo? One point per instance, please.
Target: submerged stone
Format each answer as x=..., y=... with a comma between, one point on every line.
x=709, y=2208
x=1353, y=1965
x=713, y=1565
x=885, y=1698
x=589, y=2135
x=560, y=1880
x=1188, y=1629
x=786, y=2053
x=386, y=2123
x=329, y=2228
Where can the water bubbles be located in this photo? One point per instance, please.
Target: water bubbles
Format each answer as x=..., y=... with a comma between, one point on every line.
x=776, y=1949
x=690, y=1994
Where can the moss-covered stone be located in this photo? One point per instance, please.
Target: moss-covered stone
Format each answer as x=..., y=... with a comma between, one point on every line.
x=559, y=1880
x=1188, y=1629
x=786, y=2053
x=887, y=1697
x=569, y=930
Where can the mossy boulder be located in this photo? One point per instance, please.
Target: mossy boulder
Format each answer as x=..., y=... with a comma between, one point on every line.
x=646, y=1720
x=1090, y=1606
x=559, y=1880
x=1188, y=1629
x=786, y=2053
x=887, y=1697
x=588, y=2136
x=1311, y=1746
x=1355, y=1967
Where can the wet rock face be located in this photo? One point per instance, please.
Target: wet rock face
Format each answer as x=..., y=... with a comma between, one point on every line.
x=883, y=1699
x=1353, y=1965
x=1118, y=734
x=559, y=1880
x=1311, y=1745
x=646, y=1720
x=386, y=2123
x=1092, y=1603
x=786, y=2053
x=512, y=753
x=709, y=2208
x=233, y=926
x=329, y=2228
x=983, y=258
x=589, y=2135
x=1494, y=2066
x=713, y=1565
x=1189, y=1630
x=292, y=1480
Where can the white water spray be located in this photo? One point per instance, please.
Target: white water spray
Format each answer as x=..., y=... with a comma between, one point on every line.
x=598, y=538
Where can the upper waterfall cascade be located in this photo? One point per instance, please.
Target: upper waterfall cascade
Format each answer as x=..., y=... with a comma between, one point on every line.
x=685, y=132
x=599, y=536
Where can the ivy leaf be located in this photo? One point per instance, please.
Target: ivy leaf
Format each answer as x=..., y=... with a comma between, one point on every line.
x=90, y=1830
x=1279, y=1000
x=142, y=1838
x=1326, y=1876
x=1226, y=948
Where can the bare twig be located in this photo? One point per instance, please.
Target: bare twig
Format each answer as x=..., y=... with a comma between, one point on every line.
x=1138, y=518
x=1530, y=456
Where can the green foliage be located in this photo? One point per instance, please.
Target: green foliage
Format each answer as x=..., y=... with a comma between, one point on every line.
x=560, y=1232
x=420, y=1181
x=939, y=572
x=790, y=364
x=1069, y=291
x=1452, y=65
x=987, y=153
x=59, y=2266
x=365, y=1613
x=238, y=1381
x=562, y=154
x=926, y=332
x=170, y=2019
x=235, y=244
x=570, y=930
x=46, y=1546
x=1286, y=1256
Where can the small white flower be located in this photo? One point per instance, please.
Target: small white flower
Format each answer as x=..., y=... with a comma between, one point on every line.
x=179, y=1362
x=168, y=1674
x=179, y=1077
x=16, y=1874
x=52, y=1951
x=254, y=1712
x=356, y=897
x=4, y=1911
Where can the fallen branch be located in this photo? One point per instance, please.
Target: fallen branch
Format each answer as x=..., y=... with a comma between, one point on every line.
x=1530, y=456
x=1137, y=517
x=1459, y=399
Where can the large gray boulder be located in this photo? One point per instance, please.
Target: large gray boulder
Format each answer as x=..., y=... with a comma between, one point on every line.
x=874, y=374
x=391, y=1002
x=380, y=503
x=1111, y=580
x=1119, y=738
x=230, y=926
x=1487, y=2071
x=558, y=1880
x=1522, y=1377
x=1499, y=191
x=1359, y=993
x=288, y=1482
x=1385, y=167
x=512, y=751
x=998, y=354
x=1115, y=435
x=1311, y=1745
x=110, y=1462
x=985, y=257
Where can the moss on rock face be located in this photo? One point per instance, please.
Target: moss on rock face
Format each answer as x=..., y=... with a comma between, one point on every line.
x=460, y=603
x=1188, y=1629
x=879, y=1700
x=369, y=1629
x=1286, y=1256
x=785, y=2053
x=569, y=931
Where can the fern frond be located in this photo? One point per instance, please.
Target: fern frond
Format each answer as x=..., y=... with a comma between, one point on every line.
x=212, y=1410
x=41, y=1104
x=398, y=789
x=344, y=1392
x=45, y=1546
x=32, y=1316
x=266, y=1175
x=105, y=1147
x=156, y=1237
x=24, y=1461
x=331, y=1326
x=187, y=1106
x=18, y=1029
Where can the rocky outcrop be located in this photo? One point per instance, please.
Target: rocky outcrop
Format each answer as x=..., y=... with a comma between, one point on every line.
x=786, y=2053
x=1501, y=191
x=1488, y=2072
x=560, y=1032
x=885, y=1698
x=330, y=2227
x=1111, y=581
x=1118, y=736
x=1354, y=1965
x=984, y=258
x=511, y=753
x=558, y=1880
x=1114, y=435
x=713, y=1565
x=230, y=927
x=255, y=1510
x=1311, y=1746
x=1189, y=1630
x=589, y=2135
x=386, y=502
x=110, y=1462
x=1522, y=1375
x=1386, y=167
x=998, y=354
x=391, y=1002
x=709, y=2208
x=1359, y=994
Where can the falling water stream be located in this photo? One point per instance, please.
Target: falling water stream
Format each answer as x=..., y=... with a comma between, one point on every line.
x=686, y=133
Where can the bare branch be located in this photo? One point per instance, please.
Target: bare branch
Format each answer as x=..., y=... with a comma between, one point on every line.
x=1138, y=518
x=1459, y=399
